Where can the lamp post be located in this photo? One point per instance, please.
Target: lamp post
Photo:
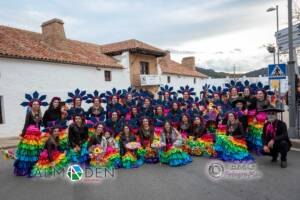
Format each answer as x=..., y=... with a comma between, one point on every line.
x=291, y=74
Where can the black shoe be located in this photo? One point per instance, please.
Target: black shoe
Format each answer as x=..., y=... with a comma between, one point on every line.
x=283, y=164
x=274, y=159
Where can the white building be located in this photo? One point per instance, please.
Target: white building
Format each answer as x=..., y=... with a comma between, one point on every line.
x=52, y=64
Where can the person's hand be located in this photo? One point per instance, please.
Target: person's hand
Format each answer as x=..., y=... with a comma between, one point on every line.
x=271, y=143
x=20, y=137
x=266, y=149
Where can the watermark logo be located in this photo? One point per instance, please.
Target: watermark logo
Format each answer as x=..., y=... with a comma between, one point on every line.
x=74, y=172
x=218, y=170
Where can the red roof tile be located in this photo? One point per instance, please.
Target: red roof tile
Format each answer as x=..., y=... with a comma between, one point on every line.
x=131, y=45
x=169, y=66
x=17, y=43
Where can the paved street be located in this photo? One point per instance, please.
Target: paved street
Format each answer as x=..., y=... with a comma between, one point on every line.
x=161, y=182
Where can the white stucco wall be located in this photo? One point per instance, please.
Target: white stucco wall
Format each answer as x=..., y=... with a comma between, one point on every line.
x=18, y=77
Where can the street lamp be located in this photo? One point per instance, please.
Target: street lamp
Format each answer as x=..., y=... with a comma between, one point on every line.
x=277, y=26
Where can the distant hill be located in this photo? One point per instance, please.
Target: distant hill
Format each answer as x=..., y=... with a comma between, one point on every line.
x=213, y=74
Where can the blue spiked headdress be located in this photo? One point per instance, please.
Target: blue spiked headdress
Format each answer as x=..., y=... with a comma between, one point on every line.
x=77, y=94
x=113, y=92
x=233, y=84
x=130, y=90
x=144, y=94
x=205, y=89
x=95, y=95
x=165, y=89
x=216, y=90
x=34, y=97
x=261, y=87
x=247, y=84
x=188, y=89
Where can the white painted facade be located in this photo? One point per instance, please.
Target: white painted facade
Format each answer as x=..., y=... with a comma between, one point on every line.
x=18, y=76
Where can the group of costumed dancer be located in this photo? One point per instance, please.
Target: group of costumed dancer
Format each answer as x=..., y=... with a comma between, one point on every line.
x=135, y=128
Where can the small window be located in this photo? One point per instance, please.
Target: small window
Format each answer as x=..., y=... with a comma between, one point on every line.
x=169, y=79
x=195, y=80
x=1, y=110
x=107, y=75
x=144, y=68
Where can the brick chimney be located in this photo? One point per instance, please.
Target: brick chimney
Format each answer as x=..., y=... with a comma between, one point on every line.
x=188, y=61
x=53, y=31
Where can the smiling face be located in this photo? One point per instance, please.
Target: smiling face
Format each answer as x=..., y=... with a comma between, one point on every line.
x=167, y=126
x=231, y=117
x=99, y=129
x=129, y=97
x=114, y=100
x=55, y=132
x=167, y=95
x=126, y=130
x=96, y=102
x=260, y=95
x=197, y=121
x=78, y=120
x=233, y=92
x=246, y=92
x=35, y=106
x=186, y=96
x=114, y=116
x=175, y=106
x=159, y=110
x=77, y=102
x=56, y=103
x=145, y=122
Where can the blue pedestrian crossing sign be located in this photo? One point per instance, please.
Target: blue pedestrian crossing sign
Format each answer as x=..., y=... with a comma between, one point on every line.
x=277, y=71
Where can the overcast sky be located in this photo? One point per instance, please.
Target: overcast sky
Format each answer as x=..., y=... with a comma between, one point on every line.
x=219, y=33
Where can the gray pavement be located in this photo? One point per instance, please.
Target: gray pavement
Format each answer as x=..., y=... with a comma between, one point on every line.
x=161, y=182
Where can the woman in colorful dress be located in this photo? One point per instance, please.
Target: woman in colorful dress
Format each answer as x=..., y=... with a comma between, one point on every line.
x=146, y=133
x=78, y=138
x=232, y=146
x=53, y=113
x=96, y=110
x=166, y=94
x=185, y=127
x=53, y=158
x=97, y=146
x=75, y=99
x=113, y=102
x=171, y=153
x=158, y=119
x=115, y=123
x=133, y=120
x=128, y=149
x=255, y=132
x=174, y=114
x=30, y=144
x=112, y=154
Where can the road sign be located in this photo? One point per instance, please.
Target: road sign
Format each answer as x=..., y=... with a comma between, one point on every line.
x=283, y=39
x=277, y=71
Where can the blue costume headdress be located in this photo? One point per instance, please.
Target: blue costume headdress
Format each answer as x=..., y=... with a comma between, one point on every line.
x=34, y=97
x=77, y=94
x=187, y=89
x=96, y=95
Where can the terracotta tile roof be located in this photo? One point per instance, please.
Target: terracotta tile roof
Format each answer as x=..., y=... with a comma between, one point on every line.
x=169, y=66
x=17, y=43
x=131, y=45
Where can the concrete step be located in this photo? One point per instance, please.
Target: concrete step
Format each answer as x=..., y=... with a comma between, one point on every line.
x=295, y=144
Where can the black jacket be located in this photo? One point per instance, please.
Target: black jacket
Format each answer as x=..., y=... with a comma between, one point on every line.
x=77, y=135
x=280, y=135
x=31, y=120
x=51, y=115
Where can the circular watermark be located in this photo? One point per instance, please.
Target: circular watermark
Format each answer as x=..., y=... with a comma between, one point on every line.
x=215, y=170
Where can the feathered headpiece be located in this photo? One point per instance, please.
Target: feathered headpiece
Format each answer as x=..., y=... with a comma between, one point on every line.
x=34, y=97
x=215, y=90
x=265, y=88
x=113, y=92
x=187, y=89
x=77, y=94
x=130, y=90
x=96, y=95
x=55, y=124
x=167, y=89
x=233, y=84
x=205, y=88
x=247, y=84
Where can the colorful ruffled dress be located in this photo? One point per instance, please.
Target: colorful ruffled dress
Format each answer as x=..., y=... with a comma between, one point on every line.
x=203, y=146
x=112, y=158
x=255, y=132
x=28, y=151
x=43, y=168
x=80, y=157
x=97, y=156
x=131, y=159
x=63, y=140
x=232, y=149
x=174, y=156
